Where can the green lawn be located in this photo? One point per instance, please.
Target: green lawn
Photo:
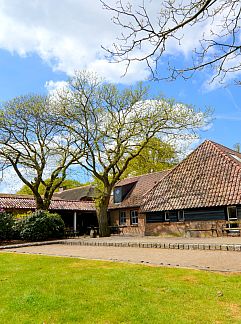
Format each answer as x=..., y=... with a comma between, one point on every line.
x=38, y=289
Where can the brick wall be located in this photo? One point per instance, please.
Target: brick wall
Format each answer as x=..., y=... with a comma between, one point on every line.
x=129, y=229
x=179, y=228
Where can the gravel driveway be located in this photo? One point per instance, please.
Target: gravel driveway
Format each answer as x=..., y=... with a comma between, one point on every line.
x=226, y=261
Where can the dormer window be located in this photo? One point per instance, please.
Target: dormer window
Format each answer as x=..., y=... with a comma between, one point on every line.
x=117, y=195
x=122, y=191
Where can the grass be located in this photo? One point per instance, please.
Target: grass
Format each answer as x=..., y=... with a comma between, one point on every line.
x=39, y=289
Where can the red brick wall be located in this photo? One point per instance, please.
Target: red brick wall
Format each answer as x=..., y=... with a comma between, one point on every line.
x=129, y=229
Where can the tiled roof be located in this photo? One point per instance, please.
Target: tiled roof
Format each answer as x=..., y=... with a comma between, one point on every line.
x=77, y=193
x=72, y=205
x=27, y=202
x=141, y=184
x=8, y=195
x=209, y=176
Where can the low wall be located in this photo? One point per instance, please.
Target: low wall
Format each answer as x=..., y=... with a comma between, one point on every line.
x=181, y=228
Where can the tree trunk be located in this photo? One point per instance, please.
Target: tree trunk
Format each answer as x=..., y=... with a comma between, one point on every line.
x=41, y=204
x=101, y=210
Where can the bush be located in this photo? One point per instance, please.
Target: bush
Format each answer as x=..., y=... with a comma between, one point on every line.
x=6, y=225
x=42, y=225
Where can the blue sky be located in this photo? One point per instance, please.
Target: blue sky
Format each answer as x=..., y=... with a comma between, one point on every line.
x=42, y=43
x=29, y=74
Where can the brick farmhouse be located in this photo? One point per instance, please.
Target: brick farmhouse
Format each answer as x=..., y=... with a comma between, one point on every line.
x=198, y=196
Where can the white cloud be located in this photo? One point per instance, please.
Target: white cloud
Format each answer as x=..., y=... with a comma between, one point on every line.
x=53, y=87
x=67, y=34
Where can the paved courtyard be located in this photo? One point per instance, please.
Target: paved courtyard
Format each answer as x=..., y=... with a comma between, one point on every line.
x=227, y=261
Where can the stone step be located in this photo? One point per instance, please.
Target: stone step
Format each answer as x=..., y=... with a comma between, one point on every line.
x=160, y=245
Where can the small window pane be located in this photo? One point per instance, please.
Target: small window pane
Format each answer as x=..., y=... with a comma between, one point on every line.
x=122, y=219
x=232, y=212
x=134, y=217
x=117, y=195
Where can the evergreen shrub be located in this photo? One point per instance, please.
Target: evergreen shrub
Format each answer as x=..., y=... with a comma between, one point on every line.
x=42, y=225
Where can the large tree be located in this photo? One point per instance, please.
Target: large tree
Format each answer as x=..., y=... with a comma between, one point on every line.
x=155, y=156
x=116, y=125
x=211, y=26
x=34, y=146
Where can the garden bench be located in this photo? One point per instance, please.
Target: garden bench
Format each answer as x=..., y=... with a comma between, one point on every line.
x=212, y=229
x=231, y=227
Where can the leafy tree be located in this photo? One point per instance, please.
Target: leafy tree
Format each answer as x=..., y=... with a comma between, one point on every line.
x=34, y=146
x=146, y=36
x=66, y=184
x=116, y=125
x=237, y=147
x=155, y=156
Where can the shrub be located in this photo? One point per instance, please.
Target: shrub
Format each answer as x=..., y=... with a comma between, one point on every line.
x=6, y=225
x=42, y=225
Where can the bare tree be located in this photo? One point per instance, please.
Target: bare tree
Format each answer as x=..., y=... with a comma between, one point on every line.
x=34, y=146
x=146, y=36
x=116, y=125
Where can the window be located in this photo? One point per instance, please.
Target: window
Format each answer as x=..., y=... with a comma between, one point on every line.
x=117, y=195
x=122, y=218
x=181, y=215
x=134, y=217
x=232, y=213
x=167, y=216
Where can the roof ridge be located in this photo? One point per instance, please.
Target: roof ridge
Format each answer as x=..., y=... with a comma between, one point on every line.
x=7, y=196
x=12, y=196
x=208, y=176
x=142, y=175
x=88, y=185
x=225, y=154
x=71, y=200
x=175, y=167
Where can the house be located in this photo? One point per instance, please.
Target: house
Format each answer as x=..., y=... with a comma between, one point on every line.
x=202, y=191
x=76, y=214
x=124, y=207
x=200, y=194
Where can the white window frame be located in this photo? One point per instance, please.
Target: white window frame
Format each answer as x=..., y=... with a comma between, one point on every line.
x=181, y=218
x=121, y=217
x=135, y=217
x=167, y=217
